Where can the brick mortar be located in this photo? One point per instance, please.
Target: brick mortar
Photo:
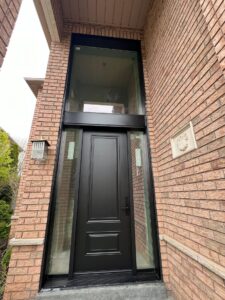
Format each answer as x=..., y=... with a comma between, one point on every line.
x=8, y=15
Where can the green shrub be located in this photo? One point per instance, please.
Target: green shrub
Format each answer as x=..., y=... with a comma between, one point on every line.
x=5, y=219
x=8, y=190
x=5, y=158
x=5, y=259
x=6, y=193
x=3, y=269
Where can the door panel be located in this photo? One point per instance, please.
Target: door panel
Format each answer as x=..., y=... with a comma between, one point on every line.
x=103, y=221
x=103, y=173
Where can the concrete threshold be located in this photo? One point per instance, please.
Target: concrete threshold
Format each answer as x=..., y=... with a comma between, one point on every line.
x=150, y=291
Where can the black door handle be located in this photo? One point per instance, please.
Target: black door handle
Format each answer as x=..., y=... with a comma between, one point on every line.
x=126, y=207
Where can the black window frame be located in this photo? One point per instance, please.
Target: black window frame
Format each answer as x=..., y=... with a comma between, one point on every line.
x=101, y=119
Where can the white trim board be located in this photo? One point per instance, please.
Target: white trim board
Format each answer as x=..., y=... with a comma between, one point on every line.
x=47, y=19
x=26, y=242
x=207, y=263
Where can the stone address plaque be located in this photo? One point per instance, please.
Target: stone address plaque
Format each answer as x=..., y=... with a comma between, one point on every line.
x=183, y=141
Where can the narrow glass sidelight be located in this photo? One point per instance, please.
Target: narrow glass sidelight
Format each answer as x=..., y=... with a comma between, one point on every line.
x=141, y=204
x=61, y=234
x=104, y=81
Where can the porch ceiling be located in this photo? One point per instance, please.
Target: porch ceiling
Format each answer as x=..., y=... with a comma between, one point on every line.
x=119, y=13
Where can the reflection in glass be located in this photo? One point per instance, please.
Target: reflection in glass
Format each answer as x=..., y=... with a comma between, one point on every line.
x=142, y=220
x=105, y=81
x=59, y=254
x=103, y=108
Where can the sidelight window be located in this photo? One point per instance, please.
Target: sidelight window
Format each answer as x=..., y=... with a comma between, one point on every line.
x=141, y=203
x=59, y=252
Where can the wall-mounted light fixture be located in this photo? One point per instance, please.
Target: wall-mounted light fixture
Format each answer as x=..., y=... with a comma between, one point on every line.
x=40, y=149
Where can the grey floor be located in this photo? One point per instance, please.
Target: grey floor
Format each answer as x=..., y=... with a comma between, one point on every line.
x=151, y=291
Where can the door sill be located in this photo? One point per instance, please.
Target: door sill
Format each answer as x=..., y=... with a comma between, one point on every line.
x=105, y=272
x=99, y=279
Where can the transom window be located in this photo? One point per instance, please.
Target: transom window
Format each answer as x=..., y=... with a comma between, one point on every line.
x=104, y=81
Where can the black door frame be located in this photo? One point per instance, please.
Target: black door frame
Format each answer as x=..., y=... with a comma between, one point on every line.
x=110, y=122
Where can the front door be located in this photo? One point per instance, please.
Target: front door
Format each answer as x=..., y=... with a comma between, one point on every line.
x=92, y=229
x=103, y=239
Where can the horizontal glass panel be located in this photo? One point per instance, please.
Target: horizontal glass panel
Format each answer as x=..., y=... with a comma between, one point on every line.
x=104, y=81
x=59, y=254
x=103, y=108
x=142, y=218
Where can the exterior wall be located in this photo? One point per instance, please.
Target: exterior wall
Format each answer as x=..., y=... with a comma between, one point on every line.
x=214, y=13
x=8, y=13
x=103, y=31
x=36, y=182
x=185, y=82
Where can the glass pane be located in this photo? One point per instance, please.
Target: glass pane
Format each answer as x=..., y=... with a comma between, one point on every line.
x=104, y=81
x=142, y=219
x=58, y=261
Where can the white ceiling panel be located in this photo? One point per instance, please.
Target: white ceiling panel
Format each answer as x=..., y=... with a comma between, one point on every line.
x=120, y=13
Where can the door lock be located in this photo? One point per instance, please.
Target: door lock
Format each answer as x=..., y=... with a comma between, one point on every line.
x=126, y=207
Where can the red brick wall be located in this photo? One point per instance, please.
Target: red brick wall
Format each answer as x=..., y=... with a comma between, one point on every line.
x=214, y=13
x=185, y=82
x=103, y=31
x=8, y=13
x=35, y=188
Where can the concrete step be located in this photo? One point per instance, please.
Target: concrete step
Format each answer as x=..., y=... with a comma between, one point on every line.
x=150, y=291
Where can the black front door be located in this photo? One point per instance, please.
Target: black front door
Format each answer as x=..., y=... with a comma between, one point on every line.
x=103, y=239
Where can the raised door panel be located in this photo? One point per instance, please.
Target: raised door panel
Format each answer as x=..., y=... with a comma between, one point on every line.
x=103, y=196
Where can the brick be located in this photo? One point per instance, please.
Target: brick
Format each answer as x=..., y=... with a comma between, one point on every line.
x=8, y=16
x=20, y=295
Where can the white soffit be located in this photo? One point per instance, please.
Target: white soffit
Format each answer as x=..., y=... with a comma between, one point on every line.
x=35, y=84
x=119, y=13
x=47, y=19
x=130, y=14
